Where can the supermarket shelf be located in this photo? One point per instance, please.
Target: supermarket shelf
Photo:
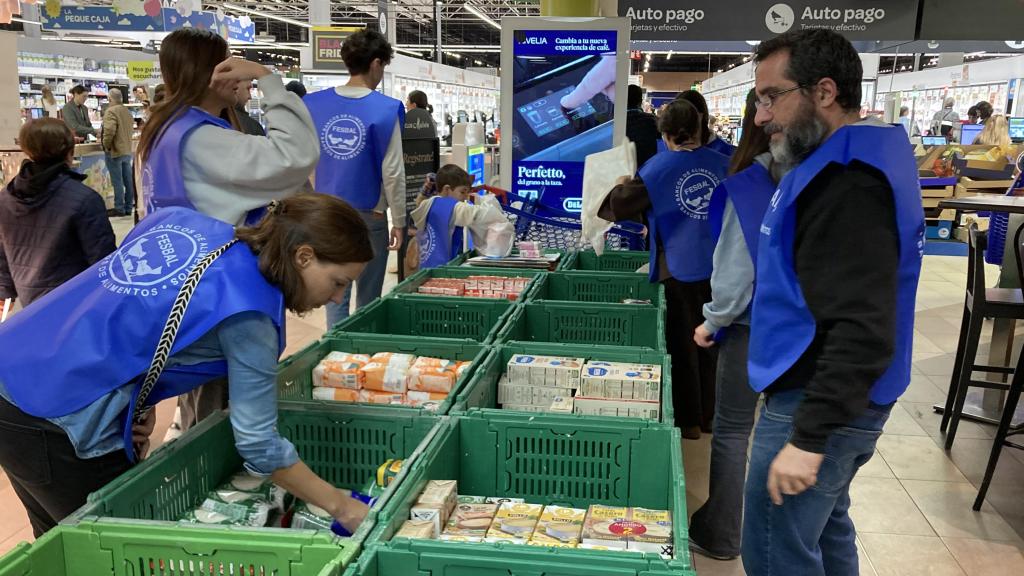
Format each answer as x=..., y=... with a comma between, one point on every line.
x=58, y=73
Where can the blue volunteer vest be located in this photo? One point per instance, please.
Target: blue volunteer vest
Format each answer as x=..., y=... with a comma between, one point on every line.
x=722, y=147
x=782, y=327
x=354, y=137
x=438, y=245
x=98, y=331
x=162, y=183
x=750, y=191
x=679, y=185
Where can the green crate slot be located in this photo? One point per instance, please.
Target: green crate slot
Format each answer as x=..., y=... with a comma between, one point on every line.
x=125, y=548
x=482, y=390
x=344, y=445
x=412, y=283
x=611, y=260
x=473, y=319
x=564, y=262
x=577, y=286
x=295, y=374
x=579, y=323
x=544, y=459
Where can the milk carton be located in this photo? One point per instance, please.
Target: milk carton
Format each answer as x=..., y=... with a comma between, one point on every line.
x=559, y=526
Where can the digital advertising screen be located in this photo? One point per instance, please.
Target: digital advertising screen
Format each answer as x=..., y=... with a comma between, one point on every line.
x=475, y=164
x=563, y=110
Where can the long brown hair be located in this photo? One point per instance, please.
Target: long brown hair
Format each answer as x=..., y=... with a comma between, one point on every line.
x=187, y=59
x=330, y=226
x=753, y=141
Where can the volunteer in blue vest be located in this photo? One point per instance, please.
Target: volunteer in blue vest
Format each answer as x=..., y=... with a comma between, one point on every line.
x=191, y=157
x=361, y=162
x=70, y=414
x=833, y=317
x=737, y=208
x=708, y=137
x=671, y=194
x=442, y=216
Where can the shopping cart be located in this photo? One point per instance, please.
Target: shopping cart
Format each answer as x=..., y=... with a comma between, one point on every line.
x=558, y=229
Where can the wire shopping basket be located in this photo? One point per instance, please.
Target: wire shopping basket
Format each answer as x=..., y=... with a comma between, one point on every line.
x=999, y=225
x=558, y=229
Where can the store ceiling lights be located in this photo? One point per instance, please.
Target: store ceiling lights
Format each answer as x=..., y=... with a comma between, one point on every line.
x=469, y=8
x=236, y=8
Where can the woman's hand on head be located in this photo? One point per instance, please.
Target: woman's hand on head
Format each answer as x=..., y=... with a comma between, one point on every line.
x=234, y=70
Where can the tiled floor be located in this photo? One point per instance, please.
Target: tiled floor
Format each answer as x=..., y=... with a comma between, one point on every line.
x=911, y=502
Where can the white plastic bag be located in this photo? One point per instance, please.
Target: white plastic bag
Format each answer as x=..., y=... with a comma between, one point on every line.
x=493, y=235
x=600, y=172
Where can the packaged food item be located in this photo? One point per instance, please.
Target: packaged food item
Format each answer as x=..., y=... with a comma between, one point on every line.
x=651, y=531
x=603, y=526
x=420, y=529
x=433, y=375
x=529, y=370
x=635, y=301
x=340, y=370
x=523, y=407
x=459, y=538
x=245, y=482
x=471, y=499
x=387, y=472
x=559, y=526
x=502, y=500
x=519, y=394
x=246, y=511
x=616, y=407
x=625, y=382
x=335, y=394
x=561, y=405
x=428, y=400
x=373, y=397
x=311, y=517
x=201, y=516
x=428, y=513
x=436, y=503
x=387, y=372
x=514, y=522
x=583, y=546
x=471, y=519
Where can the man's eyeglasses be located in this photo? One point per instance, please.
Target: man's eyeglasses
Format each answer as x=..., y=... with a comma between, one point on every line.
x=768, y=100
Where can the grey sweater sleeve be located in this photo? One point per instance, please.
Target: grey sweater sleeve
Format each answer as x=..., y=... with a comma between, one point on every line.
x=732, y=276
x=393, y=178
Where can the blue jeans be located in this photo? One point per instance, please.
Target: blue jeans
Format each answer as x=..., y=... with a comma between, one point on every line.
x=811, y=534
x=371, y=281
x=123, y=179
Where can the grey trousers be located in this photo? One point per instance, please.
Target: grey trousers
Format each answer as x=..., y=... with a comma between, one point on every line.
x=718, y=525
x=203, y=401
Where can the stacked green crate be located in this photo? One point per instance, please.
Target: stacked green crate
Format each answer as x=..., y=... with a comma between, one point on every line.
x=544, y=459
x=127, y=548
x=612, y=287
x=583, y=323
x=473, y=320
x=295, y=374
x=610, y=260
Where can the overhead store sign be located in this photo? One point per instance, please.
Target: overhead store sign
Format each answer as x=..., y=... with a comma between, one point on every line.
x=764, y=19
x=327, y=41
x=1001, y=20
x=57, y=17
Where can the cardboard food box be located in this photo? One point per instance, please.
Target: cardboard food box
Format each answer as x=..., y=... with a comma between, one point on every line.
x=587, y=406
x=422, y=529
x=436, y=503
x=458, y=538
x=471, y=519
x=944, y=192
x=651, y=531
x=598, y=526
x=630, y=383
x=514, y=522
x=509, y=393
x=561, y=405
x=557, y=372
x=430, y=513
x=559, y=526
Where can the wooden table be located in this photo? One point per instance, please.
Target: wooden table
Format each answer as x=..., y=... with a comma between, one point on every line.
x=987, y=405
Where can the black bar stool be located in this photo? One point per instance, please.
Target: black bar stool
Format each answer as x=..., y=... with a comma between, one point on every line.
x=980, y=303
x=1003, y=432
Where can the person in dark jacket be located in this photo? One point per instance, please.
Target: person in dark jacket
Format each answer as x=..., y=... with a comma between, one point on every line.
x=52, y=226
x=641, y=127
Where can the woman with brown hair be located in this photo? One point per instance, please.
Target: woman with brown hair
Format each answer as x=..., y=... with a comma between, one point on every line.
x=185, y=299
x=190, y=157
x=50, y=105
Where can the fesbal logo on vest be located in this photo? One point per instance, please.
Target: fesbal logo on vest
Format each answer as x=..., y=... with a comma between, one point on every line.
x=693, y=192
x=343, y=137
x=157, y=260
x=427, y=242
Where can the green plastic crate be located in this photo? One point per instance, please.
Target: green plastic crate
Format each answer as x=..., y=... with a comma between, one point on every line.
x=544, y=459
x=482, y=390
x=128, y=548
x=580, y=323
x=473, y=319
x=460, y=261
x=574, y=286
x=344, y=445
x=295, y=374
x=611, y=260
x=412, y=283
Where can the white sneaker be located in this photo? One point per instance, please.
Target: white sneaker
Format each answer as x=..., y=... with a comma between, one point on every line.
x=174, y=431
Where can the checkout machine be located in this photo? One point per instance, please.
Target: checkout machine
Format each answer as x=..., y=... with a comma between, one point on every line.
x=469, y=150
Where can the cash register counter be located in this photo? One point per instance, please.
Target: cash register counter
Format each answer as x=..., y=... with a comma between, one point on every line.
x=89, y=160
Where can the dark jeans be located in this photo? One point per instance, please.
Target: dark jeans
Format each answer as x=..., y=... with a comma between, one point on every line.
x=718, y=524
x=810, y=534
x=693, y=367
x=123, y=180
x=49, y=479
x=371, y=282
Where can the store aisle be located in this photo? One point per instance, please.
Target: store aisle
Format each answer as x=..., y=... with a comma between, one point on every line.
x=912, y=501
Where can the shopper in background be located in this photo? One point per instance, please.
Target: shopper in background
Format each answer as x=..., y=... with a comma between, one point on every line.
x=361, y=140
x=69, y=421
x=984, y=111
x=833, y=320
x=141, y=93
x=708, y=136
x=681, y=249
x=737, y=208
x=118, y=125
x=191, y=157
x=52, y=226
x=904, y=119
x=246, y=122
x=417, y=100
x=297, y=88
x=641, y=127
x=972, y=115
x=76, y=115
x=944, y=121
x=996, y=132
x=50, y=105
